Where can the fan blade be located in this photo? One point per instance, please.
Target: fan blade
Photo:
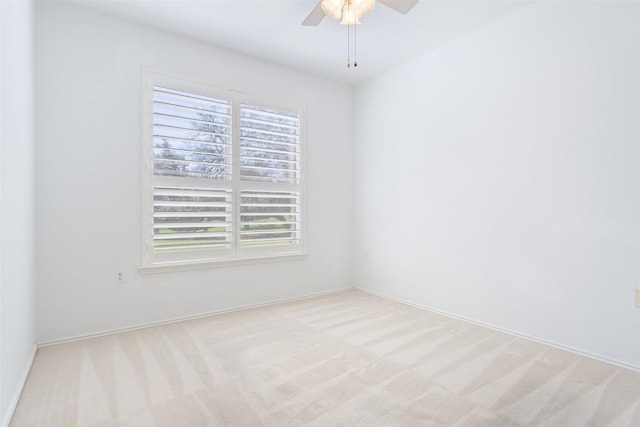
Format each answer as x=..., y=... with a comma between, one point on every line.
x=402, y=6
x=315, y=17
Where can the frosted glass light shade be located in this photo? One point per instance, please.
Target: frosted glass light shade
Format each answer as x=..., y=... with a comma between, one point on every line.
x=333, y=8
x=349, y=10
x=350, y=17
x=362, y=7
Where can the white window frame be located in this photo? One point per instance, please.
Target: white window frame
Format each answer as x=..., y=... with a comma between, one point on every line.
x=237, y=255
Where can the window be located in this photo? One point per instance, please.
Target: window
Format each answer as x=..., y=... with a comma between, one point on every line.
x=222, y=176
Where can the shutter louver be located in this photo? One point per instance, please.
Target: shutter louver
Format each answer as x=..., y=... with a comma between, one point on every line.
x=187, y=219
x=191, y=135
x=269, y=145
x=269, y=218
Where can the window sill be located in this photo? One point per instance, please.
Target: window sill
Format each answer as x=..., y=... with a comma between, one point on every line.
x=168, y=267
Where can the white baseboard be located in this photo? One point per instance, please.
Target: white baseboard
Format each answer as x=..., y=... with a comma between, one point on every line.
x=504, y=330
x=190, y=317
x=16, y=396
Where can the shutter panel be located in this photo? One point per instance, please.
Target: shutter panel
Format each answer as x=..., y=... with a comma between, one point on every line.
x=269, y=218
x=191, y=135
x=188, y=219
x=270, y=208
x=191, y=145
x=269, y=145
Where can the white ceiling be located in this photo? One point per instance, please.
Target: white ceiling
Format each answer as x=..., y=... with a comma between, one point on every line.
x=271, y=29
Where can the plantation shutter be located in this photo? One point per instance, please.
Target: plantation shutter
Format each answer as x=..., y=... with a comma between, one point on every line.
x=270, y=199
x=224, y=178
x=192, y=156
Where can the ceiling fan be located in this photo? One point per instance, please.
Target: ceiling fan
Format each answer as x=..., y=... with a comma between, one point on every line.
x=351, y=10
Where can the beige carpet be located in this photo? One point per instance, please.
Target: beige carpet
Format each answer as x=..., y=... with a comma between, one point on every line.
x=347, y=359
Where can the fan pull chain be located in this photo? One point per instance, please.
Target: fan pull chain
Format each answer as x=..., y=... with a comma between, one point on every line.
x=355, y=45
x=351, y=19
x=348, y=48
x=348, y=37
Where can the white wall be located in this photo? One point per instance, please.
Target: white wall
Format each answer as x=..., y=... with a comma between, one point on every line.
x=88, y=105
x=498, y=177
x=17, y=284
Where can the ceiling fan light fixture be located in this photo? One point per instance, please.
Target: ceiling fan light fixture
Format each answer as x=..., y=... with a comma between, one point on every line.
x=350, y=17
x=333, y=8
x=362, y=7
x=350, y=11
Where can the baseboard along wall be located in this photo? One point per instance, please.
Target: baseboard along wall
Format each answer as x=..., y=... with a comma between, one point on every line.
x=16, y=395
x=189, y=317
x=503, y=330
